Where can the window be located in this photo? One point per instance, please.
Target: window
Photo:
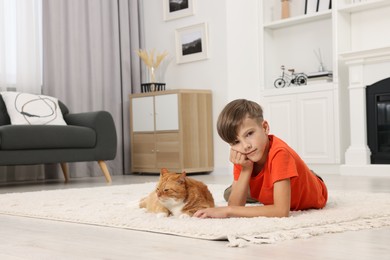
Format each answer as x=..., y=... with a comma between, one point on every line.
x=21, y=45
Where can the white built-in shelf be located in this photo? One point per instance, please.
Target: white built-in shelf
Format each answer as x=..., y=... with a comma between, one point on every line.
x=310, y=87
x=363, y=6
x=299, y=20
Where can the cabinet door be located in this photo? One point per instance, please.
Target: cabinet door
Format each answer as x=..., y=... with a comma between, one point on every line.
x=280, y=113
x=143, y=114
x=168, y=150
x=316, y=127
x=167, y=112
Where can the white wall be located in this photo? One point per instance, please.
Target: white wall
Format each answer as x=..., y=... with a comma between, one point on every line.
x=232, y=70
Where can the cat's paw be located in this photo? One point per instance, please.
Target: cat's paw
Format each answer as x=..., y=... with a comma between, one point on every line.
x=162, y=215
x=184, y=216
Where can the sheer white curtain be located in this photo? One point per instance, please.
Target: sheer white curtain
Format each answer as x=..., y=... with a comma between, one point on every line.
x=21, y=45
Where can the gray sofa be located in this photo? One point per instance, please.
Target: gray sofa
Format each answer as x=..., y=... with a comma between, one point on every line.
x=87, y=137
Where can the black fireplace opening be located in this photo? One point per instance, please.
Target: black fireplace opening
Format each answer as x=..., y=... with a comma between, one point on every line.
x=378, y=121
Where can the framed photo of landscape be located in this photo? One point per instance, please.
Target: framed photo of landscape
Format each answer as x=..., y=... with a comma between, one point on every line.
x=191, y=43
x=174, y=9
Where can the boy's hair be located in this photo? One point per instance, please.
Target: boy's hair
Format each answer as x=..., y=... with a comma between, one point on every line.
x=232, y=116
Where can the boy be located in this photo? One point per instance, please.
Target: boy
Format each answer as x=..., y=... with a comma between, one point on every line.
x=265, y=166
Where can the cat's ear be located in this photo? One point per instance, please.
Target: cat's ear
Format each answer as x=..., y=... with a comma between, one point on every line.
x=163, y=171
x=182, y=178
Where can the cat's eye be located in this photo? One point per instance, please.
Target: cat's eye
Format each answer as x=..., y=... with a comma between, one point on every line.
x=166, y=190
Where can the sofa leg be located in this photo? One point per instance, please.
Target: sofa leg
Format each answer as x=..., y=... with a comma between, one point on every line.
x=103, y=166
x=64, y=167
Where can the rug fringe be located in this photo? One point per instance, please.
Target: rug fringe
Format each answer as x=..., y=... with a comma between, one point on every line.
x=282, y=235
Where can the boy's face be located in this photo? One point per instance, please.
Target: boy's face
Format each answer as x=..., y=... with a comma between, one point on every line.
x=252, y=140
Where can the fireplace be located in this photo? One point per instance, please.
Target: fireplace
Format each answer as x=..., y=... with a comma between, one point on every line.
x=367, y=69
x=378, y=121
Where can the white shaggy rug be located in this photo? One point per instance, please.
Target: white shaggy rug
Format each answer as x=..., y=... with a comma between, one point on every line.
x=117, y=206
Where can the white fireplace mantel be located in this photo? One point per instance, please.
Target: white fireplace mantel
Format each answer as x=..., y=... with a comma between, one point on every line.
x=357, y=156
x=366, y=56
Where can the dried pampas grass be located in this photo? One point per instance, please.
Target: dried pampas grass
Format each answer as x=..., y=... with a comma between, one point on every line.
x=149, y=58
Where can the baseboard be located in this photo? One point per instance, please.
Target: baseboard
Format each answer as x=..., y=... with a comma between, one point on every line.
x=325, y=168
x=371, y=170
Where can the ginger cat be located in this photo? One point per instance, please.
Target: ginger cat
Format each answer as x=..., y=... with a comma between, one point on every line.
x=177, y=195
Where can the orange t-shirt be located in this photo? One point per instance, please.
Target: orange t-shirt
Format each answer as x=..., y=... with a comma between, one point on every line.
x=307, y=190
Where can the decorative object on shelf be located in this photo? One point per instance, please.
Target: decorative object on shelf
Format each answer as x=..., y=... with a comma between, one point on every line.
x=191, y=43
x=324, y=5
x=320, y=61
x=297, y=79
x=285, y=9
x=153, y=63
x=320, y=77
x=174, y=9
x=150, y=87
x=311, y=6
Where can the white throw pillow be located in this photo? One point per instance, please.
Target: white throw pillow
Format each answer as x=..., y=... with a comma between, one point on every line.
x=30, y=109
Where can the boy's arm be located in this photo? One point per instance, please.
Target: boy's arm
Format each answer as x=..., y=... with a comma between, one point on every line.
x=241, y=186
x=240, y=190
x=280, y=208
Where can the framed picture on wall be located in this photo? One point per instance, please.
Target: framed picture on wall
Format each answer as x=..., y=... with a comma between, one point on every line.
x=324, y=5
x=174, y=9
x=191, y=43
x=311, y=6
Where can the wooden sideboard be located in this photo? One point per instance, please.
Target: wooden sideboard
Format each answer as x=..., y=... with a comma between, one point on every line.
x=171, y=129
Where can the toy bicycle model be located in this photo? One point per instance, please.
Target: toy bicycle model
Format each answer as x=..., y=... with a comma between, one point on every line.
x=293, y=78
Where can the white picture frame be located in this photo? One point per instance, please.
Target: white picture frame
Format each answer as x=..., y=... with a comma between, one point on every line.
x=192, y=43
x=175, y=9
x=311, y=6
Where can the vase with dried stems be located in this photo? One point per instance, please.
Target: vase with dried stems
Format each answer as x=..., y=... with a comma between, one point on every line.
x=152, y=61
x=285, y=9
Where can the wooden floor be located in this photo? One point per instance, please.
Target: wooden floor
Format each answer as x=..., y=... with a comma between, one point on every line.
x=28, y=238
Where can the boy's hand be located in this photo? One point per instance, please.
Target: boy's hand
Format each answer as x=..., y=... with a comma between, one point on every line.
x=239, y=158
x=221, y=212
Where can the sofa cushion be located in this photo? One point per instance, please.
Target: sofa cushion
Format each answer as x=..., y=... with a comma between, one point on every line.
x=27, y=137
x=30, y=109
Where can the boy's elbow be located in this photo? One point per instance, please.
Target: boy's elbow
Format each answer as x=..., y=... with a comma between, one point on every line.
x=282, y=213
